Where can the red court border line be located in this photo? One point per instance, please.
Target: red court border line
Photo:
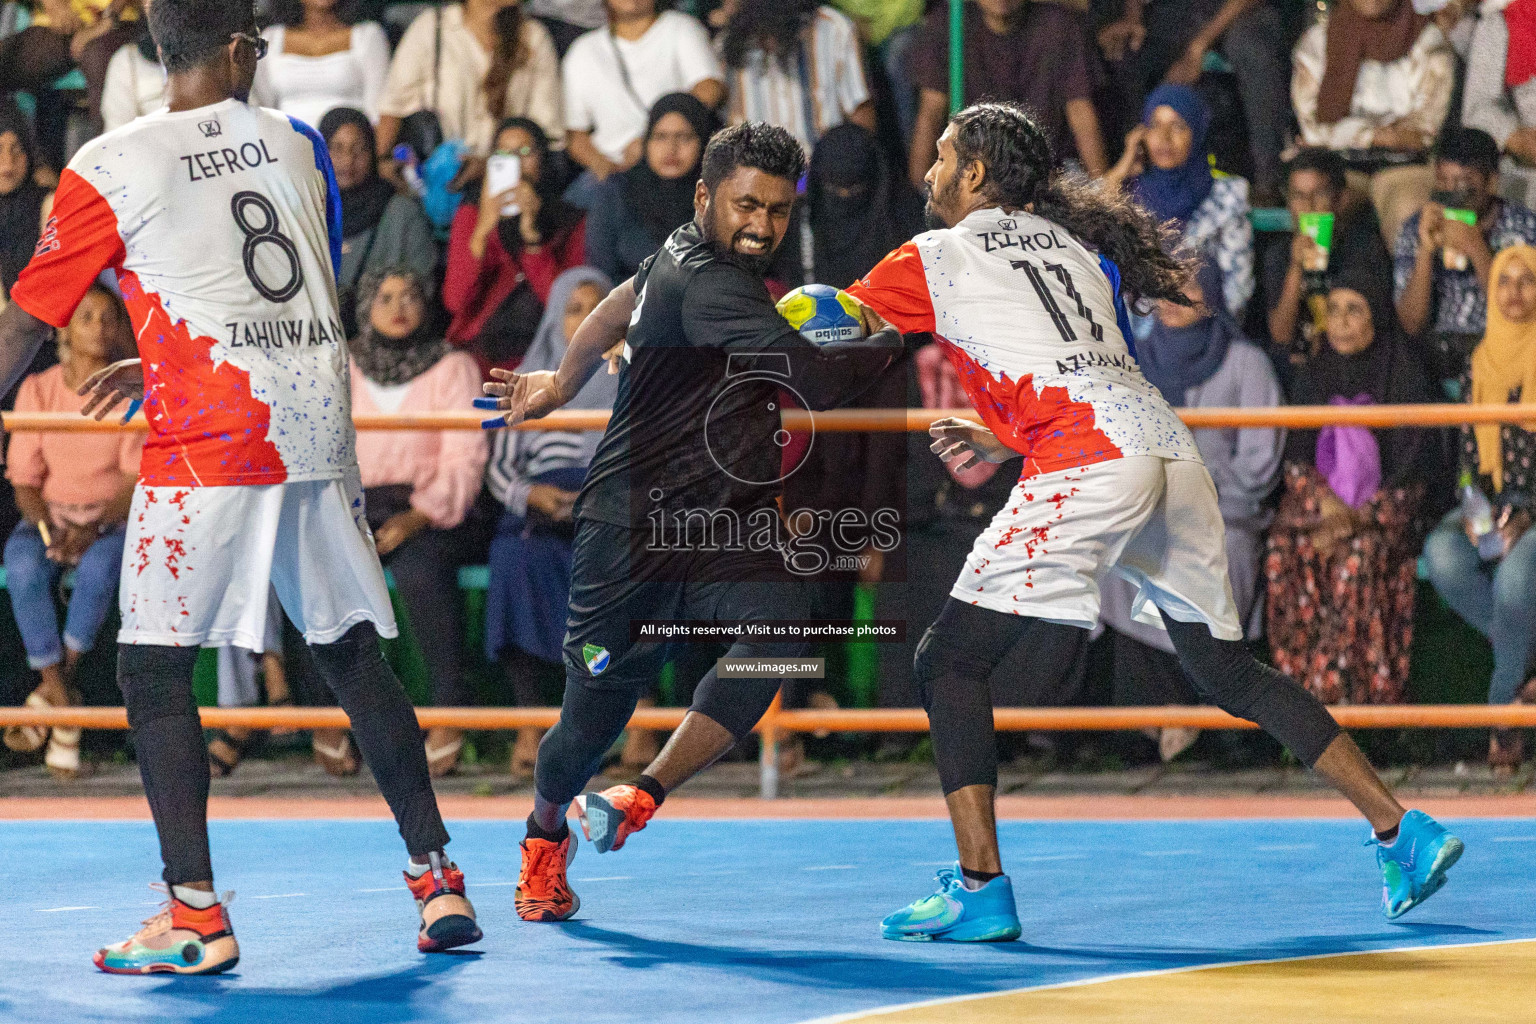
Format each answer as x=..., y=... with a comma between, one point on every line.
x=516, y=808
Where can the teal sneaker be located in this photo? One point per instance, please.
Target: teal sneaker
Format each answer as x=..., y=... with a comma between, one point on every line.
x=1413, y=868
x=957, y=914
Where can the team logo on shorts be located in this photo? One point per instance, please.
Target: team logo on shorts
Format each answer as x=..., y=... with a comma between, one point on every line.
x=596, y=658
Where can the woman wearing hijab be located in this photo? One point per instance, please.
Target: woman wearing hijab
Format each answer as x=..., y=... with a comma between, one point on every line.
x=1198, y=357
x=536, y=475
x=502, y=265
x=1342, y=553
x=634, y=212
x=1492, y=585
x=855, y=206
x=1374, y=77
x=418, y=485
x=1169, y=172
x=379, y=226
x=21, y=198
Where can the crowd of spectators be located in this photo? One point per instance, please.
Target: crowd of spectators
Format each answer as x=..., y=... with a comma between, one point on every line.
x=502, y=163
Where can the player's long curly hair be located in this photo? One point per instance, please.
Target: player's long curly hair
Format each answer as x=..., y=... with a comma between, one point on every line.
x=1018, y=162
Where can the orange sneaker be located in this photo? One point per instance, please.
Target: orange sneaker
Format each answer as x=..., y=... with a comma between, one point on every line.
x=543, y=894
x=178, y=940
x=447, y=916
x=610, y=817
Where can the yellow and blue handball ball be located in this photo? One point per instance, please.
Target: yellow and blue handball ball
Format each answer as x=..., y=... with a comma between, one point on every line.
x=822, y=314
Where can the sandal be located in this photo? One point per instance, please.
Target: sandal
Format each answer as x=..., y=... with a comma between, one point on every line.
x=24, y=739
x=219, y=766
x=443, y=754
x=337, y=756
x=63, y=757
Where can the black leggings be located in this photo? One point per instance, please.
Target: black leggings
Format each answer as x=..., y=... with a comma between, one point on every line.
x=173, y=759
x=960, y=650
x=591, y=718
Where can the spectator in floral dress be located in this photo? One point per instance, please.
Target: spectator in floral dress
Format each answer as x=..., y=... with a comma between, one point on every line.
x=1342, y=551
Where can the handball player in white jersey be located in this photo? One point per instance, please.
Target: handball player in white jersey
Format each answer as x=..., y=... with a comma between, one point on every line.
x=221, y=223
x=1025, y=287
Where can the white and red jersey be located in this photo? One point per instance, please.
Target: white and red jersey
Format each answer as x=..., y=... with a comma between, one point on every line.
x=1031, y=321
x=223, y=227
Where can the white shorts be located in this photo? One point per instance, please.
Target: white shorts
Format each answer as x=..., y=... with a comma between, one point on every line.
x=1153, y=521
x=197, y=561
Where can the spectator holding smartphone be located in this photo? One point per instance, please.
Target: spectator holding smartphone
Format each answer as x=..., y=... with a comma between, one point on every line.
x=501, y=265
x=1167, y=168
x=73, y=491
x=1487, y=571
x=1294, y=267
x=1444, y=255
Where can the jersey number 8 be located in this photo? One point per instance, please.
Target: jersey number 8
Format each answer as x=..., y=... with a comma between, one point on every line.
x=266, y=231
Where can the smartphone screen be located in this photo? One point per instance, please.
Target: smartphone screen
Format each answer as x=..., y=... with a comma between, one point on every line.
x=504, y=171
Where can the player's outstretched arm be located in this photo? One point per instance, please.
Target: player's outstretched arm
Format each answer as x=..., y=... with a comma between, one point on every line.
x=21, y=335
x=954, y=437
x=527, y=396
x=110, y=386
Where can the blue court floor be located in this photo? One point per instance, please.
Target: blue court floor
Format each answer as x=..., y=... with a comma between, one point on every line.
x=712, y=922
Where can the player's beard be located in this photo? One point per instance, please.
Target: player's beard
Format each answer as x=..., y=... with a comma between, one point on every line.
x=757, y=266
x=944, y=198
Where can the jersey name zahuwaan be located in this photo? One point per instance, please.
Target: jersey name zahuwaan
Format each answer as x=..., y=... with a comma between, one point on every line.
x=1033, y=325
x=222, y=225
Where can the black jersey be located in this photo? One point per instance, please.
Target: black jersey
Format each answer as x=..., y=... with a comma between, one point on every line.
x=696, y=426
x=695, y=422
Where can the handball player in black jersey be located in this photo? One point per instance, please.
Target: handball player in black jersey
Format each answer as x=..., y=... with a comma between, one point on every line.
x=681, y=501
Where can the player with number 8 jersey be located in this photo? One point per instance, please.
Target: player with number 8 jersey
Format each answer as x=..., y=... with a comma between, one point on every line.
x=221, y=226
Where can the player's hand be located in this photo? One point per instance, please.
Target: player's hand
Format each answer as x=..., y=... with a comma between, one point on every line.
x=109, y=387
x=615, y=357
x=521, y=396
x=873, y=322
x=398, y=529
x=955, y=438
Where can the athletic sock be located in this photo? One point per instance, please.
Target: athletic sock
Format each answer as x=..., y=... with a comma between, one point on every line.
x=976, y=879
x=194, y=898
x=555, y=836
x=417, y=870
x=652, y=787
x=1388, y=837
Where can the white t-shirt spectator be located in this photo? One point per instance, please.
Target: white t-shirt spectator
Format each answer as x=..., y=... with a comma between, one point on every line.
x=133, y=87
x=674, y=55
x=453, y=85
x=833, y=68
x=581, y=13
x=308, y=88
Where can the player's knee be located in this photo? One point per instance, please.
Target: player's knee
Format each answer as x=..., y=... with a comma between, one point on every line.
x=941, y=655
x=156, y=682
x=353, y=653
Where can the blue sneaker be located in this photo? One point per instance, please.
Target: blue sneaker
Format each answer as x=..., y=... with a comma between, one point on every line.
x=957, y=914
x=1413, y=868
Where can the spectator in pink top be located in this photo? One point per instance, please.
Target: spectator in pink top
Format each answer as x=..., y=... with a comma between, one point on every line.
x=419, y=485
x=73, y=492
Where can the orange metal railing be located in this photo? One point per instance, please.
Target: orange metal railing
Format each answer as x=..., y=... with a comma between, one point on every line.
x=836, y=420
x=779, y=721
